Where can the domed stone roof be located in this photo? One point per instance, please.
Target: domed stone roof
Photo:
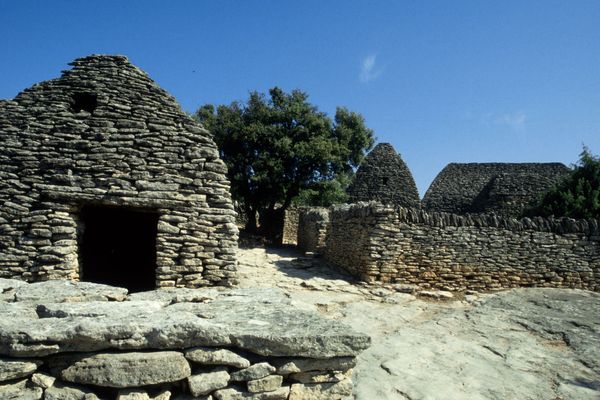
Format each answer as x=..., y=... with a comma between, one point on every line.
x=503, y=188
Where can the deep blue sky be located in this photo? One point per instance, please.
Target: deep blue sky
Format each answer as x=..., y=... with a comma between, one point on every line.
x=443, y=81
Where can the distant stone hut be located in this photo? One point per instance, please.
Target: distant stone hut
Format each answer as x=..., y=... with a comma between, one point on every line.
x=383, y=176
x=104, y=178
x=502, y=188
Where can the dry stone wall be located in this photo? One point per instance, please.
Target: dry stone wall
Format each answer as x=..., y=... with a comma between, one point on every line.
x=451, y=252
x=76, y=340
x=105, y=134
x=313, y=224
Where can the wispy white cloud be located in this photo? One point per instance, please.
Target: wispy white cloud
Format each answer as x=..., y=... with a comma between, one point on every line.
x=516, y=121
x=368, y=69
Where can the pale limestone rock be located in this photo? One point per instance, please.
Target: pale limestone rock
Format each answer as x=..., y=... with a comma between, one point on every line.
x=132, y=394
x=238, y=319
x=266, y=384
x=202, y=384
x=60, y=291
x=14, y=369
x=66, y=392
x=212, y=356
x=253, y=372
x=321, y=391
x=436, y=294
x=22, y=394
x=164, y=395
x=292, y=365
x=234, y=394
x=122, y=370
x=42, y=380
x=320, y=377
x=19, y=390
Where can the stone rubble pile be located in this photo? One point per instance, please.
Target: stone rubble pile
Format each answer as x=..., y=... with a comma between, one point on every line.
x=71, y=340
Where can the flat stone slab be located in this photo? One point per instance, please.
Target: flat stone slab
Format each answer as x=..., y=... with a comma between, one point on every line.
x=259, y=321
x=121, y=370
x=14, y=369
x=68, y=291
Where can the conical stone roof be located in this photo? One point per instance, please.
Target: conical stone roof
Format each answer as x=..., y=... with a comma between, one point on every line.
x=383, y=176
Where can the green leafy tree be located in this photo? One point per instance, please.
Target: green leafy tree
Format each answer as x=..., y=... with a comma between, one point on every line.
x=278, y=147
x=578, y=196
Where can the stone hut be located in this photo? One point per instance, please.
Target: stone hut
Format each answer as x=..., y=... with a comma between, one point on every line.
x=503, y=188
x=383, y=176
x=104, y=178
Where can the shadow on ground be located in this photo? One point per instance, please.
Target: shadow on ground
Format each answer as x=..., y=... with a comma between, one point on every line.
x=293, y=263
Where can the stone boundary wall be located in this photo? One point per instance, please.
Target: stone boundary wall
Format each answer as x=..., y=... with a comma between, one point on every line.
x=313, y=224
x=473, y=252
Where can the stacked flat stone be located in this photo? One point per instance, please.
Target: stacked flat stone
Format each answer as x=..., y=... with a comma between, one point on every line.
x=290, y=225
x=502, y=188
x=82, y=341
x=383, y=176
x=105, y=134
x=313, y=223
x=381, y=243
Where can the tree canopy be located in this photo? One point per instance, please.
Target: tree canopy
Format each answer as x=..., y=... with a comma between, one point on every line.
x=578, y=196
x=278, y=146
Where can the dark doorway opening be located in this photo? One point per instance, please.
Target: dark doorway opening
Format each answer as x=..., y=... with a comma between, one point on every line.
x=118, y=247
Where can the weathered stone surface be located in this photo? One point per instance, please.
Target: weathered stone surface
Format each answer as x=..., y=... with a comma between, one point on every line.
x=69, y=392
x=253, y=372
x=42, y=380
x=288, y=366
x=22, y=394
x=17, y=310
x=321, y=391
x=205, y=383
x=100, y=309
x=176, y=295
x=234, y=394
x=14, y=369
x=253, y=320
x=190, y=397
x=436, y=294
x=122, y=370
x=9, y=389
x=212, y=356
x=319, y=376
x=132, y=394
x=164, y=395
x=8, y=288
x=518, y=344
x=59, y=291
x=266, y=384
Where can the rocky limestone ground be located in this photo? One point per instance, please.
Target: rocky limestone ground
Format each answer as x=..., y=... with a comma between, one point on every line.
x=515, y=344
